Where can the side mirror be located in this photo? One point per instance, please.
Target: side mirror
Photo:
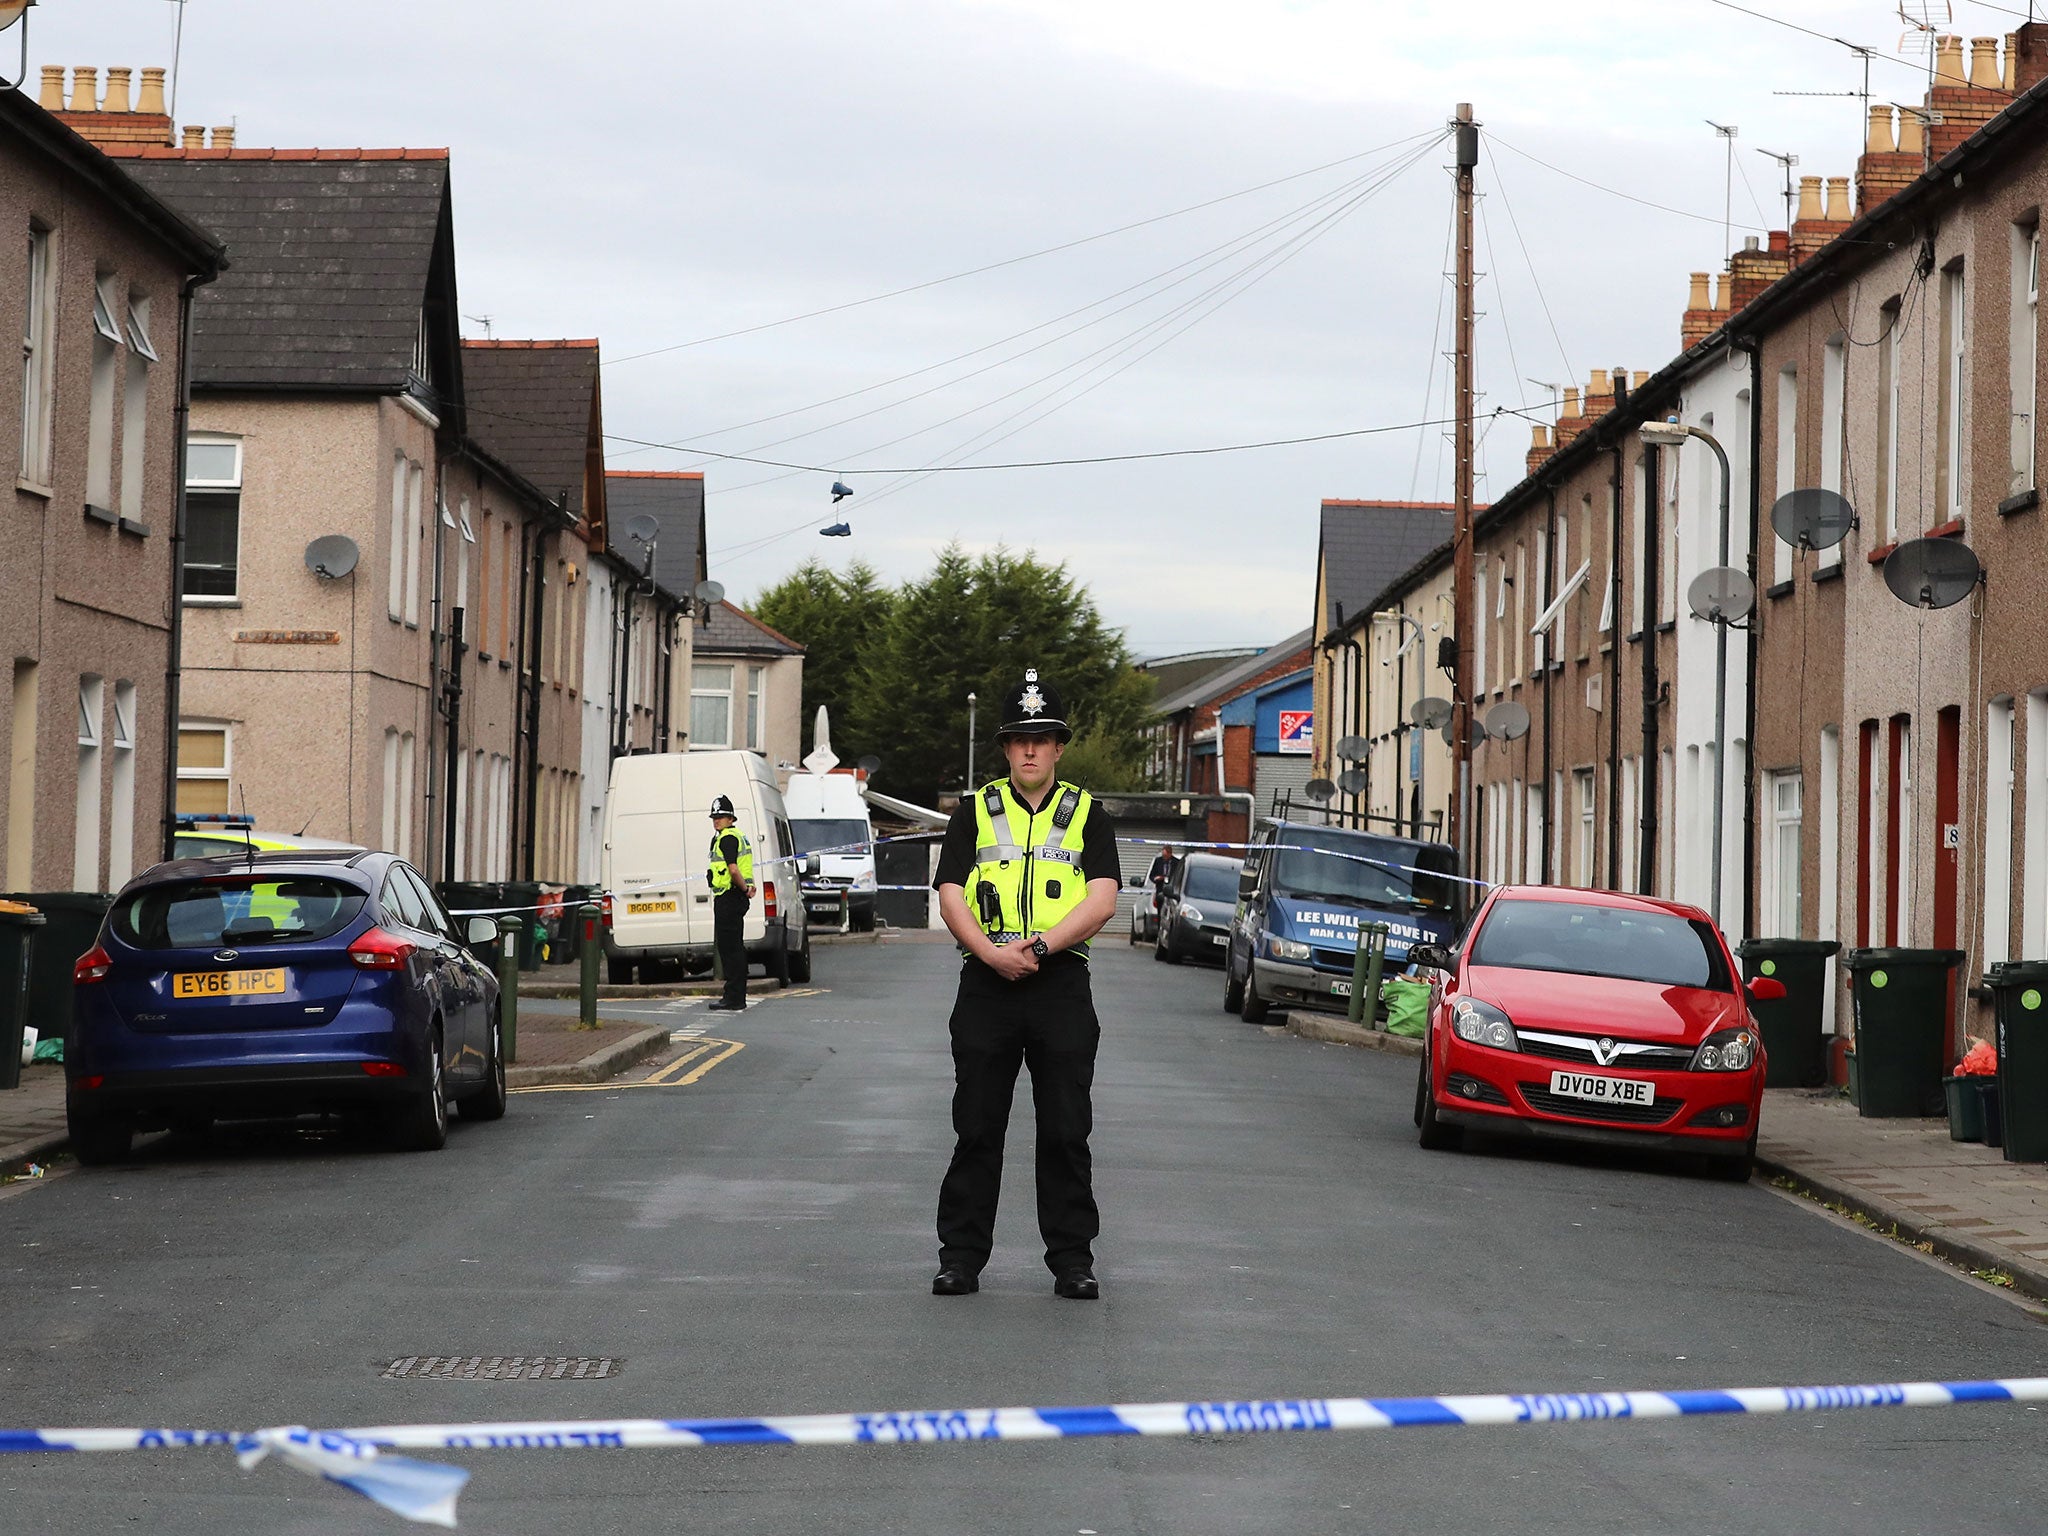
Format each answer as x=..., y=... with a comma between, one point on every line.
x=813, y=864
x=1766, y=989
x=1432, y=956
x=482, y=930
x=1247, y=884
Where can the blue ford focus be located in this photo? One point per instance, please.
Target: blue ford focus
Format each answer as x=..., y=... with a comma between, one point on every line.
x=258, y=986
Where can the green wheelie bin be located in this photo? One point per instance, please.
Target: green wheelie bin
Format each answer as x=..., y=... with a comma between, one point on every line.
x=525, y=895
x=1792, y=1026
x=2019, y=991
x=72, y=921
x=1901, y=1002
x=17, y=953
x=464, y=898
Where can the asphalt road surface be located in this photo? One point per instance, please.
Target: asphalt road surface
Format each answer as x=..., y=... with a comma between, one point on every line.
x=754, y=1236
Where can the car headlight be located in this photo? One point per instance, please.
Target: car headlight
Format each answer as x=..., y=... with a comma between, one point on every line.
x=864, y=881
x=1288, y=949
x=1484, y=1024
x=1192, y=914
x=1727, y=1050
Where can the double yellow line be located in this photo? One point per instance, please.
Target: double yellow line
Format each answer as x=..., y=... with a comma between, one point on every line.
x=699, y=1059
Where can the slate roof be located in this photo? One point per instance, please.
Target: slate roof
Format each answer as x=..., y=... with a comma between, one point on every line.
x=335, y=256
x=732, y=631
x=534, y=405
x=1173, y=674
x=1366, y=544
x=1217, y=684
x=675, y=499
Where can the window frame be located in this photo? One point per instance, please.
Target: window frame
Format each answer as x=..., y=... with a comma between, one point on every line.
x=224, y=774
x=698, y=741
x=38, y=372
x=214, y=486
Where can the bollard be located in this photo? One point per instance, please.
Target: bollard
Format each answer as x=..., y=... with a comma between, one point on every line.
x=1375, y=964
x=587, y=915
x=508, y=984
x=1366, y=961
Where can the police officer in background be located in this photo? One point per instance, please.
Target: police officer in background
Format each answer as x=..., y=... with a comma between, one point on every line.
x=1027, y=875
x=732, y=892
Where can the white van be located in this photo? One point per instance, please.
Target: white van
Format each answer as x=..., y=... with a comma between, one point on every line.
x=657, y=852
x=828, y=813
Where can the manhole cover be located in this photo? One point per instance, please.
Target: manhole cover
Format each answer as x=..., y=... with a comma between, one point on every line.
x=503, y=1368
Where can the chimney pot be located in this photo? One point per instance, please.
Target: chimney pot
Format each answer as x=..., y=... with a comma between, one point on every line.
x=2010, y=80
x=1984, y=72
x=1882, y=138
x=52, y=97
x=194, y=138
x=1912, y=134
x=1809, y=197
x=85, y=89
x=1948, y=63
x=224, y=138
x=1838, y=199
x=1749, y=242
x=1598, y=385
x=1539, y=436
x=152, y=94
x=1571, y=400
x=1722, y=288
x=1698, y=299
x=1640, y=377
x=117, y=89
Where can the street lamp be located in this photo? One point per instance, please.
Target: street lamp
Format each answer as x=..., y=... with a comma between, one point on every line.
x=970, y=743
x=12, y=11
x=1672, y=434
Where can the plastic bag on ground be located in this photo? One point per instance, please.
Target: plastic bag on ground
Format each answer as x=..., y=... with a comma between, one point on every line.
x=1407, y=1007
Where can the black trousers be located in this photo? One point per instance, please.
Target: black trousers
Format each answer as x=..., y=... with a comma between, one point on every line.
x=1046, y=1023
x=728, y=934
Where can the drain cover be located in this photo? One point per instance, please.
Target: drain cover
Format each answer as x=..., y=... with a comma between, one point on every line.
x=503, y=1368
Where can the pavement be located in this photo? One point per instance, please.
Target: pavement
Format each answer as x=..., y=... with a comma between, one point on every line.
x=744, y=1226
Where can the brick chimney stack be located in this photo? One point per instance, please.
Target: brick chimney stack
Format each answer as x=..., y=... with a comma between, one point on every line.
x=114, y=120
x=1754, y=268
x=2026, y=56
x=1571, y=420
x=1819, y=222
x=1539, y=448
x=1965, y=97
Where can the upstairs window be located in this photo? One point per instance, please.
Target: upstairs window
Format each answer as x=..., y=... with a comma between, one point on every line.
x=36, y=371
x=106, y=366
x=213, y=517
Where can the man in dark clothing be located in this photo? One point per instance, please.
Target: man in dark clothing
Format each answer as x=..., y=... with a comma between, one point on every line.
x=1027, y=876
x=1162, y=869
x=732, y=892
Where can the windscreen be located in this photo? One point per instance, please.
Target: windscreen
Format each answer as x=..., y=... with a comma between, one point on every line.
x=1209, y=881
x=202, y=914
x=1374, y=871
x=847, y=837
x=1589, y=940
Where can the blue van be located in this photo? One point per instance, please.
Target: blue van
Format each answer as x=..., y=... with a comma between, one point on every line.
x=1304, y=891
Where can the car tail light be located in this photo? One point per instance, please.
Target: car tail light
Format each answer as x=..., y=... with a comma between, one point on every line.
x=382, y=1069
x=381, y=951
x=97, y=1080
x=607, y=904
x=768, y=898
x=92, y=966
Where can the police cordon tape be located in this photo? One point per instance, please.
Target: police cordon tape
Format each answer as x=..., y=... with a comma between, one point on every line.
x=426, y=1491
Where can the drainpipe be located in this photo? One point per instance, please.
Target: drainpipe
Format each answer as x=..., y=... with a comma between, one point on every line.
x=1753, y=348
x=535, y=682
x=438, y=514
x=1551, y=812
x=1614, y=638
x=456, y=650
x=1653, y=605
x=181, y=422
x=1362, y=801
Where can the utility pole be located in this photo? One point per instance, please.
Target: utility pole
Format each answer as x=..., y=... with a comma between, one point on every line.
x=1462, y=597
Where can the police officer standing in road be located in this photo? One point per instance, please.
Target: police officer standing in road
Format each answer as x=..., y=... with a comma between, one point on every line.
x=732, y=892
x=1028, y=874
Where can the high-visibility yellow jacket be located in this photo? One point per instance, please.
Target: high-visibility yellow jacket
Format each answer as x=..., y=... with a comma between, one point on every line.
x=1032, y=863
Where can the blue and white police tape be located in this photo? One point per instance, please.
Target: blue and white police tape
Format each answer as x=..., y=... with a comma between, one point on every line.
x=426, y=1491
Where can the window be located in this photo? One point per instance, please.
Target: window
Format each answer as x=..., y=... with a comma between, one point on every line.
x=459, y=866
x=395, y=605
x=711, y=706
x=480, y=625
x=2034, y=846
x=508, y=590
x=85, y=863
x=213, y=516
x=1826, y=916
x=1998, y=844
x=1781, y=873
x=1954, y=382
x=203, y=763
x=462, y=544
x=135, y=409
x=1889, y=388
x=106, y=370
x=1585, y=940
x=757, y=678
x=415, y=537
x=1613, y=570
x=1533, y=838
x=1582, y=852
x=21, y=780
x=121, y=821
x=388, y=840
x=1788, y=459
x=37, y=374
x=2024, y=351
x=1479, y=617
x=408, y=762
x=1834, y=374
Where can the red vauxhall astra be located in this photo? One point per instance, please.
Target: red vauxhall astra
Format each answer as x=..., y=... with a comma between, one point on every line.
x=1593, y=1016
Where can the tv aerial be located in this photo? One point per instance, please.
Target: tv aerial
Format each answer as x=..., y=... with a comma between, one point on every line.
x=1812, y=518
x=1932, y=573
x=1354, y=749
x=1430, y=712
x=1352, y=781
x=1721, y=594
x=1507, y=721
x=332, y=555
x=1321, y=791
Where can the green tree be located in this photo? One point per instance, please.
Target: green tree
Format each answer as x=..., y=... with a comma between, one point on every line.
x=834, y=616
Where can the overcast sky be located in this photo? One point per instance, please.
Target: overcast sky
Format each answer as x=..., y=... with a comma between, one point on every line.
x=654, y=172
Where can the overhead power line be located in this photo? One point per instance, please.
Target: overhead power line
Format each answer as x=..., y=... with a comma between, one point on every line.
x=1683, y=213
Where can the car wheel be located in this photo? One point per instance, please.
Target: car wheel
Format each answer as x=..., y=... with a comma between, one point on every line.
x=1233, y=989
x=800, y=962
x=1432, y=1133
x=1255, y=1007
x=488, y=1102
x=779, y=966
x=421, y=1124
x=619, y=972
x=863, y=922
x=97, y=1140
x=1736, y=1170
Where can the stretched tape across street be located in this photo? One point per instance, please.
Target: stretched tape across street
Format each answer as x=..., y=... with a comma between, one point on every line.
x=426, y=1491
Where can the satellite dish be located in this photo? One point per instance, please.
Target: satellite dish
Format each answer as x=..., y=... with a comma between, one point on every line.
x=332, y=555
x=709, y=592
x=1430, y=712
x=643, y=528
x=870, y=765
x=1322, y=791
x=1352, y=781
x=1354, y=749
x=1932, y=573
x=1478, y=731
x=1507, y=721
x=1721, y=594
x=1812, y=518
x=821, y=759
